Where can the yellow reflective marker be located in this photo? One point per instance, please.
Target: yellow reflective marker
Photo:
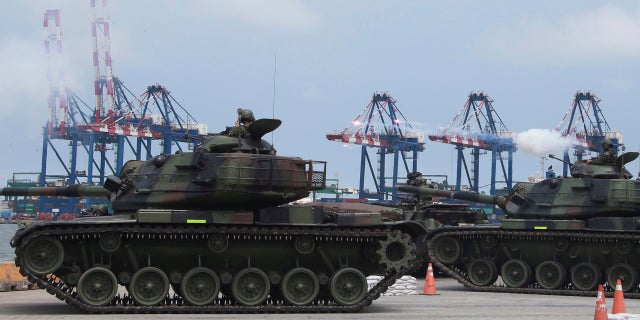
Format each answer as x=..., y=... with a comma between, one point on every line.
x=540, y=228
x=196, y=221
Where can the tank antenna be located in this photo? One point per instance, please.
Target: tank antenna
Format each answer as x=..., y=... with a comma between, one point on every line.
x=273, y=102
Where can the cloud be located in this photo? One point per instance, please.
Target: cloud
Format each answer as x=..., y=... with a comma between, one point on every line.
x=606, y=33
x=24, y=86
x=23, y=80
x=620, y=84
x=290, y=15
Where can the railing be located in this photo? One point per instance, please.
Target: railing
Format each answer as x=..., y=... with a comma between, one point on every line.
x=273, y=173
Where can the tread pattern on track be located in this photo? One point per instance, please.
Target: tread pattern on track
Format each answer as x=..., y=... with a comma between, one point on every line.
x=175, y=304
x=585, y=236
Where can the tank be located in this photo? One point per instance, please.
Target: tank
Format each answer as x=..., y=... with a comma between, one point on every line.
x=560, y=235
x=436, y=214
x=213, y=231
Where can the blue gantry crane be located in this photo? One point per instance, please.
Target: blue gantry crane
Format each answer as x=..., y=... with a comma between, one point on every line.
x=382, y=127
x=585, y=122
x=478, y=126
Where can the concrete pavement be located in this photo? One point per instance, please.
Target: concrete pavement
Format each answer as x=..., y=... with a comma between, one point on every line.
x=453, y=302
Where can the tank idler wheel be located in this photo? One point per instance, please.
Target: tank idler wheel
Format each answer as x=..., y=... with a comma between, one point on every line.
x=348, y=286
x=250, y=286
x=97, y=286
x=396, y=251
x=551, y=274
x=200, y=286
x=300, y=286
x=627, y=275
x=448, y=250
x=482, y=272
x=516, y=273
x=585, y=276
x=149, y=286
x=43, y=255
x=110, y=242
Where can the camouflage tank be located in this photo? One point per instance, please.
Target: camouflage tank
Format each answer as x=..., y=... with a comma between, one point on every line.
x=561, y=235
x=210, y=231
x=437, y=214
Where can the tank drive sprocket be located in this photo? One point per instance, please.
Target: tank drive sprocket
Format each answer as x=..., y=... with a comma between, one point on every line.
x=396, y=251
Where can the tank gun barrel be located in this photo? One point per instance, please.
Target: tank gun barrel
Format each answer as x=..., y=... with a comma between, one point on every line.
x=72, y=191
x=460, y=195
x=571, y=165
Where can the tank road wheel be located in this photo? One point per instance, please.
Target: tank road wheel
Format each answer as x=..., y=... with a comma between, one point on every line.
x=482, y=272
x=250, y=286
x=396, y=251
x=43, y=255
x=300, y=286
x=585, y=276
x=97, y=286
x=516, y=273
x=551, y=274
x=348, y=286
x=626, y=273
x=149, y=286
x=448, y=250
x=200, y=286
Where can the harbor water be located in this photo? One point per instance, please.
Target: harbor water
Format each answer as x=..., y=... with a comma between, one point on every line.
x=6, y=232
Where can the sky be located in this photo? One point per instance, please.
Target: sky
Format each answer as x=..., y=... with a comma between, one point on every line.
x=316, y=64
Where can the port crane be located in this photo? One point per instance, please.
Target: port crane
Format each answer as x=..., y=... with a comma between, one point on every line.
x=383, y=128
x=479, y=127
x=120, y=122
x=585, y=122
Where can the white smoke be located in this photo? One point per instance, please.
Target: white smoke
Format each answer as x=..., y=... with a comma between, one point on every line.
x=541, y=142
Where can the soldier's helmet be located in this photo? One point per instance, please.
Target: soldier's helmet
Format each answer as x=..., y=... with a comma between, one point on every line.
x=245, y=114
x=606, y=143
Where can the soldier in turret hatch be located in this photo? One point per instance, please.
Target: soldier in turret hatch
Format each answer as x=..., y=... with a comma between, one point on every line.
x=245, y=118
x=608, y=157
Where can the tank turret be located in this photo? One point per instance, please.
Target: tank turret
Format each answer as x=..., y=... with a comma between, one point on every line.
x=225, y=172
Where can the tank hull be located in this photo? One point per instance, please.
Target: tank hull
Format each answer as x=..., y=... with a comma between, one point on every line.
x=559, y=261
x=266, y=265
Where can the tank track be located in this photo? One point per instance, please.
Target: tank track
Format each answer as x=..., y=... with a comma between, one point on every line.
x=175, y=304
x=475, y=233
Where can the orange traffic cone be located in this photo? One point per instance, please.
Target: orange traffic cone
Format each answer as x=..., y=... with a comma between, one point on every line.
x=618, y=299
x=429, y=282
x=601, y=306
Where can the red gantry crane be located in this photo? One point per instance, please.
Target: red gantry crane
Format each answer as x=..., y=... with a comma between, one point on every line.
x=120, y=122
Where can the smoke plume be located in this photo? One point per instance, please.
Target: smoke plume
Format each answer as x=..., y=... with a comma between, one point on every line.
x=541, y=142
